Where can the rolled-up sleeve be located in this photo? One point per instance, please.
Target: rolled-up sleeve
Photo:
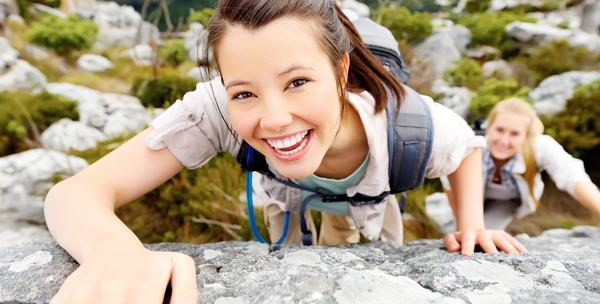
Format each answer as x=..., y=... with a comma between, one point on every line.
x=564, y=169
x=193, y=127
x=453, y=140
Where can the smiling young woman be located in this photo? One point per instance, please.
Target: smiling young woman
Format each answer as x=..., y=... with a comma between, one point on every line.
x=301, y=88
x=516, y=152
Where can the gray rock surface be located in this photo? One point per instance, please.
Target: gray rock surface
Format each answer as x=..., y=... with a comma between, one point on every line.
x=65, y=135
x=531, y=34
x=561, y=266
x=551, y=96
x=26, y=177
x=361, y=9
x=113, y=114
x=141, y=54
x=438, y=52
x=455, y=98
x=94, y=63
x=8, y=55
x=22, y=76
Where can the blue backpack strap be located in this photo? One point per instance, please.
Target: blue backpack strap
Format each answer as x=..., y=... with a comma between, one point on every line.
x=410, y=137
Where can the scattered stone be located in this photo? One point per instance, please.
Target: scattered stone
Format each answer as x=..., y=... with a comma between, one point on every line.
x=94, y=63
x=497, y=69
x=66, y=135
x=22, y=76
x=361, y=9
x=35, y=52
x=141, y=54
x=455, y=98
x=531, y=34
x=26, y=177
x=551, y=96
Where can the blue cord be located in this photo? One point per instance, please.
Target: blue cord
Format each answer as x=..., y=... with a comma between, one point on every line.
x=251, y=218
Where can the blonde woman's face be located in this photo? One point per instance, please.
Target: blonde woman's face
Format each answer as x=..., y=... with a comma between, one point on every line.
x=507, y=134
x=282, y=93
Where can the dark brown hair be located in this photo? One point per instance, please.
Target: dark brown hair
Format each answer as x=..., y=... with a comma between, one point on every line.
x=339, y=37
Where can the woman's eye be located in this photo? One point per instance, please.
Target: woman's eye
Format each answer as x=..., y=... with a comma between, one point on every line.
x=297, y=83
x=242, y=95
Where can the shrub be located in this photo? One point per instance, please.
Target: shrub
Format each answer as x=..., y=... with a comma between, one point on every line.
x=557, y=57
x=203, y=16
x=489, y=28
x=21, y=114
x=420, y=5
x=195, y=206
x=63, y=35
x=577, y=127
x=24, y=6
x=173, y=52
x=465, y=72
x=162, y=91
x=476, y=6
x=404, y=24
x=493, y=91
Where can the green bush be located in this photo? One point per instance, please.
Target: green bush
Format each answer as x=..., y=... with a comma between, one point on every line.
x=420, y=5
x=465, y=72
x=493, y=91
x=489, y=28
x=162, y=91
x=203, y=16
x=24, y=6
x=63, y=35
x=477, y=6
x=557, y=57
x=20, y=112
x=407, y=26
x=173, y=52
x=577, y=127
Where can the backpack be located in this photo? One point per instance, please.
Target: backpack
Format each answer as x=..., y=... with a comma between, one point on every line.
x=410, y=137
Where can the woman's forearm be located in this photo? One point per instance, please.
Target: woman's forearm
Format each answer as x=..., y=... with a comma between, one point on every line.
x=82, y=220
x=467, y=188
x=588, y=195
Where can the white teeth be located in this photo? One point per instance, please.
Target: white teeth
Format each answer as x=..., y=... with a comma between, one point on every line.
x=287, y=142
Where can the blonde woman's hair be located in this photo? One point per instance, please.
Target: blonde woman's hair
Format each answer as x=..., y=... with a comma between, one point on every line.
x=534, y=128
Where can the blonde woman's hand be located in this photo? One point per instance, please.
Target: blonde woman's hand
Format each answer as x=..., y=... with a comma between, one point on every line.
x=134, y=276
x=490, y=241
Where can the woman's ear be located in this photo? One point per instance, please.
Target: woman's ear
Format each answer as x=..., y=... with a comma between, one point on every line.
x=345, y=69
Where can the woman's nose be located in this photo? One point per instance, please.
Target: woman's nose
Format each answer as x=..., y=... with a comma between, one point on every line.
x=275, y=115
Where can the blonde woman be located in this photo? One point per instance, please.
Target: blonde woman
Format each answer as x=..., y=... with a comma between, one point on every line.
x=517, y=152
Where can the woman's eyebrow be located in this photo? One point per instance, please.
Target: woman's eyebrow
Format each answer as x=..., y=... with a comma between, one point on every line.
x=292, y=68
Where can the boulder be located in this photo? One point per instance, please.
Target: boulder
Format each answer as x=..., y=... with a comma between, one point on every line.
x=195, y=42
x=496, y=68
x=119, y=25
x=452, y=40
x=94, y=63
x=8, y=55
x=499, y=5
x=141, y=54
x=89, y=102
x=39, y=9
x=551, y=96
x=22, y=76
x=531, y=34
x=26, y=177
x=35, y=52
x=561, y=266
x=113, y=114
x=457, y=99
x=66, y=135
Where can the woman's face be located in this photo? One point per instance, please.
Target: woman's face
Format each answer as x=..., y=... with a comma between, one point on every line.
x=282, y=93
x=507, y=134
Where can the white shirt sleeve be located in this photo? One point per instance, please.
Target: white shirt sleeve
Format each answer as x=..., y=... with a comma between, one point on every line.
x=453, y=140
x=564, y=169
x=195, y=128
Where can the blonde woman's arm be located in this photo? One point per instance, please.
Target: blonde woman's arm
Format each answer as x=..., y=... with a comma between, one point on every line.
x=114, y=265
x=567, y=172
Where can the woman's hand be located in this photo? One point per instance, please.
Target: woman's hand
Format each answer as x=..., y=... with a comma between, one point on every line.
x=489, y=240
x=134, y=276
